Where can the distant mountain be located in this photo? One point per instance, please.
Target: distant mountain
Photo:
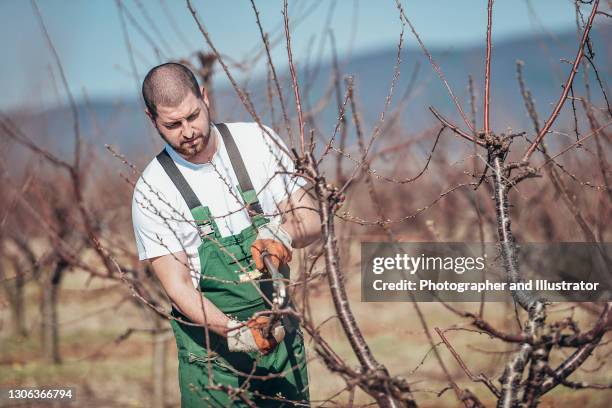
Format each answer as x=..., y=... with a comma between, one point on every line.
x=123, y=124
x=544, y=75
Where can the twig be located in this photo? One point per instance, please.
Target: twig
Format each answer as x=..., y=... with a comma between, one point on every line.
x=566, y=88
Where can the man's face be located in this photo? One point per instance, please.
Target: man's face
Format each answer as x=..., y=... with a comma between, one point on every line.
x=185, y=127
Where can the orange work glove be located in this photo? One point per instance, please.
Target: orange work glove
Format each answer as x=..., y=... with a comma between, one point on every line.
x=278, y=253
x=250, y=336
x=276, y=241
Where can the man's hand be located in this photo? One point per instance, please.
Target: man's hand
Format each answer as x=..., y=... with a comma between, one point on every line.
x=250, y=336
x=273, y=239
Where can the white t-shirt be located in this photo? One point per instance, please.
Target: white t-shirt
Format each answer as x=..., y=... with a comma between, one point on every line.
x=162, y=221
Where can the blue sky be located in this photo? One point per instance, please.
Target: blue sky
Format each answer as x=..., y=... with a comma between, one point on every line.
x=90, y=41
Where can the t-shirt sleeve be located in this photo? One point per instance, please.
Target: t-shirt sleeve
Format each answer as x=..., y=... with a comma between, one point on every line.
x=155, y=228
x=280, y=168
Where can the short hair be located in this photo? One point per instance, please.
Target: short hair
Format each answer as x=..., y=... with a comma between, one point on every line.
x=167, y=85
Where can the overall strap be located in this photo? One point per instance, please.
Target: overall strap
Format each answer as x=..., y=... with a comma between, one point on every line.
x=179, y=181
x=244, y=181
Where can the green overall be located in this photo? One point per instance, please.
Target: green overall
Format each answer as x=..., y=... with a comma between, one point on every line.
x=209, y=374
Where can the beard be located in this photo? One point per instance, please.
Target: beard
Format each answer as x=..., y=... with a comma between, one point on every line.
x=192, y=147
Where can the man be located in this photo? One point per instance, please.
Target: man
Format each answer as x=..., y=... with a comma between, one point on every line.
x=216, y=200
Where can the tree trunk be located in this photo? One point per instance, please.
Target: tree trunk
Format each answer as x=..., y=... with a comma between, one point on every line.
x=18, y=307
x=15, y=294
x=160, y=339
x=50, y=329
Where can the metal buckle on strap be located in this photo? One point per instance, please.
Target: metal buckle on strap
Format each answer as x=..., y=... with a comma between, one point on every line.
x=254, y=209
x=205, y=229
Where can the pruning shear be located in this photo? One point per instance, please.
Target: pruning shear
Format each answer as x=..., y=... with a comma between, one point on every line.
x=280, y=299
